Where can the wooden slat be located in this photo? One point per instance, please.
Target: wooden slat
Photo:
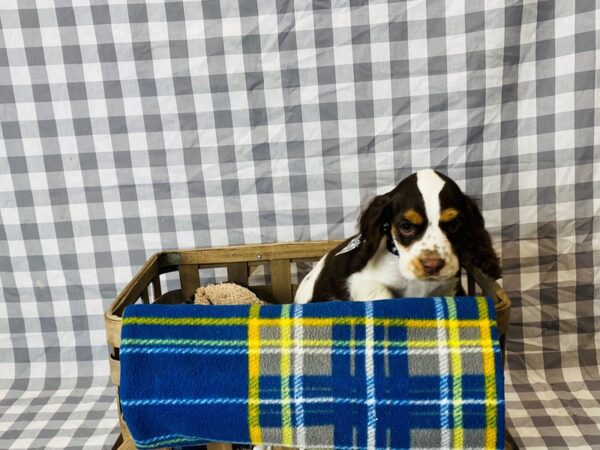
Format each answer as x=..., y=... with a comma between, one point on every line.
x=219, y=446
x=145, y=296
x=201, y=266
x=281, y=280
x=247, y=253
x=238, y=273
x=156, y=290
x=112, y=325
x=190, y=279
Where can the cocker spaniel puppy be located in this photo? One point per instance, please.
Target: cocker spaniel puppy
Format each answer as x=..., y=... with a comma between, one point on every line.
x=412, y=242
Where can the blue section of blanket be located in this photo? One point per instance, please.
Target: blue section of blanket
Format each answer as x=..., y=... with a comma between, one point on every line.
x=395, y=374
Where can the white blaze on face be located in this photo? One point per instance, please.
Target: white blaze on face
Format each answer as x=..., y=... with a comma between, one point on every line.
x=430, y=185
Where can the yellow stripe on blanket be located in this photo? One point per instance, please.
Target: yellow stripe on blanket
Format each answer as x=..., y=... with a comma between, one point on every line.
x=489, y=375
x=286, y=370
x=454, y=344
x=254, y=374
x=306, y=322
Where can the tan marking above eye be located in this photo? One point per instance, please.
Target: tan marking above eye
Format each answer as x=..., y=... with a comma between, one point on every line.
x=448, y=214
x=413, y=217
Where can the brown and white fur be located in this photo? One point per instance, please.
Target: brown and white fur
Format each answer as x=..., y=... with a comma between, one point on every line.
x=433, y=227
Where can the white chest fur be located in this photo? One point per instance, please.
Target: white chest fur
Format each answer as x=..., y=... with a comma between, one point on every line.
x=380, y=278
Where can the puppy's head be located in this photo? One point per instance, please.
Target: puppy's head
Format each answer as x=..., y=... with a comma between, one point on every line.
x=434, y=227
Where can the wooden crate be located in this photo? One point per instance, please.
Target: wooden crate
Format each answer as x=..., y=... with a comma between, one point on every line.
x=239, y=262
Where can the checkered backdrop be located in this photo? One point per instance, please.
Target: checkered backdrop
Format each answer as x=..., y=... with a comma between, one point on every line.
x=133, y=127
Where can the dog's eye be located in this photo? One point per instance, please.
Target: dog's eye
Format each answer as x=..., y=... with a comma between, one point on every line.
x=453, y=226
x=407, y=228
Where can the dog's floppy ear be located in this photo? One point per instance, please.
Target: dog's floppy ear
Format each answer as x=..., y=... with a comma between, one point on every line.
x=372, y=220
x=478, y=250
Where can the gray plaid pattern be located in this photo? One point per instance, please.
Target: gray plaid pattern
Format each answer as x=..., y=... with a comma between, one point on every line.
x=133, y=127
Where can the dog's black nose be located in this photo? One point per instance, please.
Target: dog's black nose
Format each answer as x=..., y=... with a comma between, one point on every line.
x=432, y=265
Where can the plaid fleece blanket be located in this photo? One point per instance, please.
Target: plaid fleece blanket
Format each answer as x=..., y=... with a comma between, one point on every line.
x=393, y=374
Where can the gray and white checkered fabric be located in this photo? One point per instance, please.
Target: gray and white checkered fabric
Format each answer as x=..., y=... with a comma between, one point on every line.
x=133, y=127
